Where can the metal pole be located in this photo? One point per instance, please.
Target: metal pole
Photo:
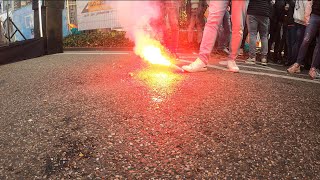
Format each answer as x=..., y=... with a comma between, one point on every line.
x=17, y=29
x=68, y=11
x=40, y=18
x=8, y=23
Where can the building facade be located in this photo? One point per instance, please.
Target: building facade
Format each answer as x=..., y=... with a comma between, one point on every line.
x=13, y=4
x=73, y=12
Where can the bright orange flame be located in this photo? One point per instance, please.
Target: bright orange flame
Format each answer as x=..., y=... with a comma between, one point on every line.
x=151, y=50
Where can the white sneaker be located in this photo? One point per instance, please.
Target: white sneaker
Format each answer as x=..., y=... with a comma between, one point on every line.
x=264, y=61
x=251, y=61
x=232, y=66
x=196, y=66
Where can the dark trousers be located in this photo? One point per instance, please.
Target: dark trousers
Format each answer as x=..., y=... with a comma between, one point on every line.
x=280, y=41
x=299, y=34
x=291, y=40
x=245, y=34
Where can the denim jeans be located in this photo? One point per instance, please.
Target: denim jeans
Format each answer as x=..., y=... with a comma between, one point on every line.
x=217, y=10
x=245, y=34
x=171, y=37
x=291, y=41
x=225, y=32
x=310, y=33
x=300, y=30
x=258, y=24
x=195, y=22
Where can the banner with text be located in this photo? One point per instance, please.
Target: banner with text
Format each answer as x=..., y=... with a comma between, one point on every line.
x=96, y=14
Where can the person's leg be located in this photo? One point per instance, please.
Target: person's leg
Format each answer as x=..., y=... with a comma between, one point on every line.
x=272, y=33
x=173, y=15
x=245, y=34
x=191, y=27
x=277, y=41
x=227, y=29
x=314, y=71
x=225, y=36
x=299, y=33
x=216, y=12
x=252, y=24
x=263, y=31
x=199, y=24
x=283, y=44
x=316, y=55
x=290, y=42
x=221, y=36
x=272, y=29
x=238, y=14
x=310, y=33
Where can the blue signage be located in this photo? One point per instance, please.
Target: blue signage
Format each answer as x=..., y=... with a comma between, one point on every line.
x=23, y=18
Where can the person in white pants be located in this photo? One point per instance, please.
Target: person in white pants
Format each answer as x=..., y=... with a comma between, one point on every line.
x=217, y=10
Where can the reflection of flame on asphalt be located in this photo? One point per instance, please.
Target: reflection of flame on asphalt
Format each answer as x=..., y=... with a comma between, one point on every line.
x=151, y=50
x=161, y=83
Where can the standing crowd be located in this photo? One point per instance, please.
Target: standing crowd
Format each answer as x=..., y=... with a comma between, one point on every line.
x=285, y=31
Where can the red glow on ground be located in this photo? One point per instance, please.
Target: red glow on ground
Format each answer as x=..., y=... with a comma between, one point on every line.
x=160, y=83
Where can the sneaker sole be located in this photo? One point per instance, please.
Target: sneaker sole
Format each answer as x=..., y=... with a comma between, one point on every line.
x=201, y=70
x=233, y=70
x=248, y=62
x=297, y=72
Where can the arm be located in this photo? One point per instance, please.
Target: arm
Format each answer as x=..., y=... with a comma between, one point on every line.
x=307, y=11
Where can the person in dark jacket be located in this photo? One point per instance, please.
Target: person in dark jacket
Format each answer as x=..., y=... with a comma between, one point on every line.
x=283, y=7
x=258, y=21
x=275, y=27
x=290, y=27
x=311, y=31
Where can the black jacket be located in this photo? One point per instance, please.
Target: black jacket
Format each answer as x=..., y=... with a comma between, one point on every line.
x=289, y=13
x=316, y=7
x=259, y=8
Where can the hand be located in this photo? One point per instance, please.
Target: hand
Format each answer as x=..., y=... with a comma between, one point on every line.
x=286, y=7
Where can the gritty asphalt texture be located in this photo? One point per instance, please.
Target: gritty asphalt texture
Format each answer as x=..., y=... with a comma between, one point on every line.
x=93, y=116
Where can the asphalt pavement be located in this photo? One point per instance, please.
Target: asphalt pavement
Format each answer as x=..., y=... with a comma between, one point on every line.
x=110, y=115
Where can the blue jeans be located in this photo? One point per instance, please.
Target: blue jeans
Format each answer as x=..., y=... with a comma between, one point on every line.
x=217, y=10
x=300, y=30
x=258, y=24
x=311, y=31
x=170, y=38
x=225, y=32
x=195, y=22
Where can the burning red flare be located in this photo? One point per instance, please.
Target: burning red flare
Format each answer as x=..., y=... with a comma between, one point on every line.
x=151, y=50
